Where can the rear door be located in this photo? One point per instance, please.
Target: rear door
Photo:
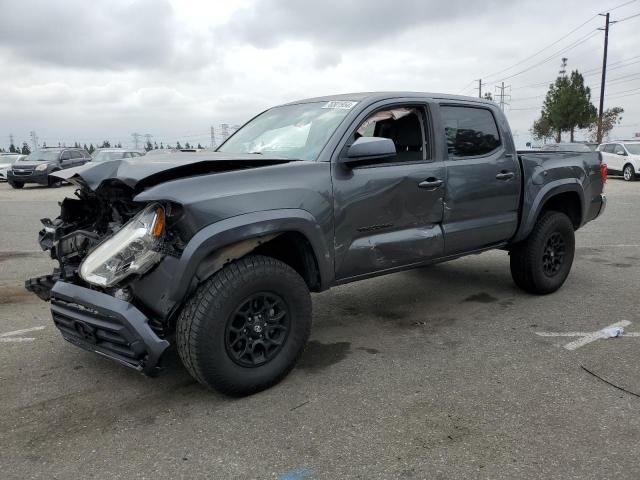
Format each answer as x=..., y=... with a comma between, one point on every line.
x=388, y=215
x=483, y=178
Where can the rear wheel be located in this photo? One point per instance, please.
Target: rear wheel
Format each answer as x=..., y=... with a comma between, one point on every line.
x=16, y=184
x=543, y=261
x=245, y=328
x=629, y=173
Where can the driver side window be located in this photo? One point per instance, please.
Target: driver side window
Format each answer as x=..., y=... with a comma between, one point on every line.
x=403, y=125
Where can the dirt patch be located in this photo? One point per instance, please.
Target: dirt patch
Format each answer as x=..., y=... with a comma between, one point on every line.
x=481, y=297
x=14, y=294
x=319, y=356
x=4, y=256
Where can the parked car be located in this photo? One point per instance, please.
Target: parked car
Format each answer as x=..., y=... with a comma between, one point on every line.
x=6, y=160
x=108, y=154
x=164, y=151
x=622, y=158
x=38, y=165
x=217, y=251
x=567, y=147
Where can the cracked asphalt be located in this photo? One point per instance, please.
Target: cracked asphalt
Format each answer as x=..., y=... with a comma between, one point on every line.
x=435, y=373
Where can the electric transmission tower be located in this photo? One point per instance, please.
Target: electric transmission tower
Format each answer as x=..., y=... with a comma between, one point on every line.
x=34, y=139
x=147, y=140
x=136, y=140
x=501, y=96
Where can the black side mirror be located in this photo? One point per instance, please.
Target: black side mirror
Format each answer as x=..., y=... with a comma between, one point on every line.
x=369, y=150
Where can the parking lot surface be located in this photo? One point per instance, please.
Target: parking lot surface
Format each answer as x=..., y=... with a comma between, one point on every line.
x=434, y=373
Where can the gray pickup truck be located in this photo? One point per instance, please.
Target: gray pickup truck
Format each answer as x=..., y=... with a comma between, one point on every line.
x=217, y=252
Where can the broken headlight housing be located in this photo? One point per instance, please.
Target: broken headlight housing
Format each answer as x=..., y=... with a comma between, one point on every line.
x=131, y=250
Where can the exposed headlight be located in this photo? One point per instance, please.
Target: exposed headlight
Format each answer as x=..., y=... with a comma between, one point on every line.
x=42, y=167
x=132, y=249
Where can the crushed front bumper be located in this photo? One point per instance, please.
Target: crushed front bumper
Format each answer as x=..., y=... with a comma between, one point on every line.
x=106, y=325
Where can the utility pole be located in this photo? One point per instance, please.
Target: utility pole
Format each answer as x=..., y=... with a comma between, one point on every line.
x=502, y=95
x=136, y=140
x=604, y=74
x=11, y=144
x=479, y=88
x=213, y=138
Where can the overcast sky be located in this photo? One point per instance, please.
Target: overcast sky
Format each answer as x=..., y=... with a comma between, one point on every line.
x=74, y=70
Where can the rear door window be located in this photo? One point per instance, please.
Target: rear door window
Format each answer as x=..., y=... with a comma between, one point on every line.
x=469, y=131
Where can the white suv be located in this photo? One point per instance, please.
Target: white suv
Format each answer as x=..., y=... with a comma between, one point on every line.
x=622, y=158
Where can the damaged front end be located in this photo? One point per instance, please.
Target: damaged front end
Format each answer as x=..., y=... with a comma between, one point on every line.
x=104, y=241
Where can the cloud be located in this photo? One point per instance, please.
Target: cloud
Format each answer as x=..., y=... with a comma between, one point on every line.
x=89, y=35
x=339, y=23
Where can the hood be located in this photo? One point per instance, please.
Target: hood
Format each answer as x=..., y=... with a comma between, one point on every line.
x=144, y=172
x=28, y=165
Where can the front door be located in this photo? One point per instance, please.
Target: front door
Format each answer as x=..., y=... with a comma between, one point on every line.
x=388, y=215
x=483, y=180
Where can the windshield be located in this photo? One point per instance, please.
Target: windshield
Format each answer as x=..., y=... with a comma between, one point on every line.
x=633, y=148
x=42, y=156
x=293, y=131
x=106, y=156
x=7, y=159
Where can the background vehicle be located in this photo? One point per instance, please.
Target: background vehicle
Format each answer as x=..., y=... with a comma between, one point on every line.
x=218, y=251
x=567, y=147
x=6, y=160
x=622, y=157
x=36, y=167
x=108, y=154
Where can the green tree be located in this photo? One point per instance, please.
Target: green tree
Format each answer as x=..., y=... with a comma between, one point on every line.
x=542, y=129
x=155, y=145
x=161, y=146
x=187, y=145
x=25, y=149
x=610, y=118
x=148, y=146
x=488, y=96
x=200, y=147
x=106, y=144
x=13, y=149
x=91, y=149
x=568, y=106
x=178, y=146
x=85, y=147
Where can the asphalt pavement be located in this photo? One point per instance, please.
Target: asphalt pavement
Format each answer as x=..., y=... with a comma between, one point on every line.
x=437, y=373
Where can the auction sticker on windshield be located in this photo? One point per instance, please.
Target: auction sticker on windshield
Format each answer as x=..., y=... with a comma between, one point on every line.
x=340, y=104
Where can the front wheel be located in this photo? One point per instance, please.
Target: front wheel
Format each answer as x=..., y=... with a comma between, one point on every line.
x=245, y=328
x=16, y=184
x=543, y=261
x=629, y=173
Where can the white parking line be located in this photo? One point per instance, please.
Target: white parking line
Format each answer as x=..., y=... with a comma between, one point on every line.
x=16, y=339
x=588, y=337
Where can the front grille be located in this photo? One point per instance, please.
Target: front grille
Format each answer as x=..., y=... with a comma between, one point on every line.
x=101, y=333
x=22, y=172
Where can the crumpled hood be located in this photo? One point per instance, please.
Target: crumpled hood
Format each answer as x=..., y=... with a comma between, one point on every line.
x=143, y=172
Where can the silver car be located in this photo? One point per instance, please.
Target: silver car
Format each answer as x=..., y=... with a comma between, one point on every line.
x=6, y=160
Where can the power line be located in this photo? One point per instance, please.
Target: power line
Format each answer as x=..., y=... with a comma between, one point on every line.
x=627, y=18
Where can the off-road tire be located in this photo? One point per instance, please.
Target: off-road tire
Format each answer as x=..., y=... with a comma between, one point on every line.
x=527, y=258
x=628, y=173
x=17, y=185
x=202, y=323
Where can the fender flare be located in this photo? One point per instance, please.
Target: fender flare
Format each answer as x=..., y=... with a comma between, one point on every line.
x=243, y=227
x=548, y=191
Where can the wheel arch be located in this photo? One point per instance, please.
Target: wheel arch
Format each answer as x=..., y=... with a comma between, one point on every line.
x=566, y=196
x=290, y=235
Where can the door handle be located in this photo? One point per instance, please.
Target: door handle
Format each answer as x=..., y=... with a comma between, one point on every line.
x=504, y=175
x=431, y=182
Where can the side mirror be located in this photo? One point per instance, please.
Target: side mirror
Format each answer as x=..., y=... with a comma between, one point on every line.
x=622, y=154
x=369, y=150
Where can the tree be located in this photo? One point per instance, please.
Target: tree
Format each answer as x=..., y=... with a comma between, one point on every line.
x=488, y=96
x=106, y=144
x=186, y=145
x=161, y=146
x=91, y=149
x=200, y=147
x=567, y=106
x=85, y=147
x=13, y=149
x=148, y=146
x=25, y=149
x=610, y=118
x=542, y=129
x=178, y=146
x=155, y=145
